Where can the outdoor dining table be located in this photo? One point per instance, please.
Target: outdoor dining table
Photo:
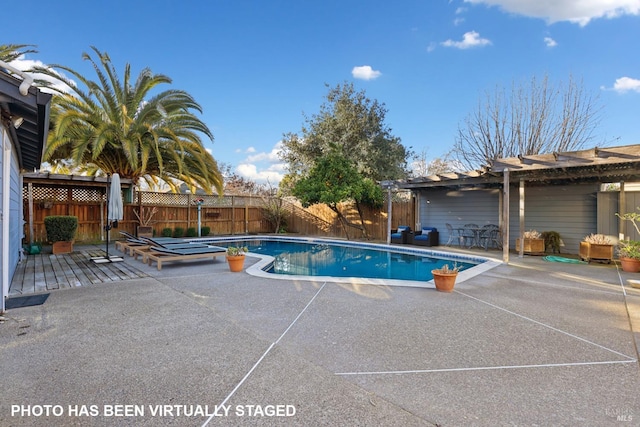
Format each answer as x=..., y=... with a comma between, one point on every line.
x=463, y=235
x=476, y=235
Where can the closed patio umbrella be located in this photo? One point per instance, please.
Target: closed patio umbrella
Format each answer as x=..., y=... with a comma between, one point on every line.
x=114, y=212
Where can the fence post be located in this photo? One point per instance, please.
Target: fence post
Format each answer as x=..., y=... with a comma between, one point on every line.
x=233, y=215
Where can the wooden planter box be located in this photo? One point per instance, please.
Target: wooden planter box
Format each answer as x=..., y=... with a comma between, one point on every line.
x=144, y=231
x=531, y=246
x=62, y=248
x=589, y=251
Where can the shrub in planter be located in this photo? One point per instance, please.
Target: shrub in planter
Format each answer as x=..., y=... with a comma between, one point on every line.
x=61, y=228
x=167, y=232
x=178, y=232
x=61, y=231
x=191, y=232
x=204, y=231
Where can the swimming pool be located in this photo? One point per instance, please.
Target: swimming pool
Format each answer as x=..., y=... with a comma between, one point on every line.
x=340, y=261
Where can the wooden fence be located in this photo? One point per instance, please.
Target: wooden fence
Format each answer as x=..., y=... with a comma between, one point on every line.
x=225, y=215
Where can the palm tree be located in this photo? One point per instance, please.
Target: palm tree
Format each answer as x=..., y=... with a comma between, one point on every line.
x=11, y=52
x=114, y=126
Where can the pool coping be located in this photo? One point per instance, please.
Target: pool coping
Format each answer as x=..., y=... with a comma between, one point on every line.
x=258, y=268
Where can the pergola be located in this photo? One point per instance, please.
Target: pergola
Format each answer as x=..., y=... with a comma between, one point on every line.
x=602, y=165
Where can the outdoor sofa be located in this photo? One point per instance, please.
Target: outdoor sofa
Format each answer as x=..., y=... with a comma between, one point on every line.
x=427, y=236
x=401, y=234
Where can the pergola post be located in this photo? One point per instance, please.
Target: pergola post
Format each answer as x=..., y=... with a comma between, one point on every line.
x=505, y=216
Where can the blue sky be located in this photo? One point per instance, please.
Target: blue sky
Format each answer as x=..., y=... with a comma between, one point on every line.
x=257, y=66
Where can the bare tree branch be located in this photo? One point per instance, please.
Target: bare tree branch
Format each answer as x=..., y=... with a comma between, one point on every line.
x=532, y=119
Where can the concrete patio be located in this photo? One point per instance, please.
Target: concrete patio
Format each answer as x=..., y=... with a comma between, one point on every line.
x=529, y=343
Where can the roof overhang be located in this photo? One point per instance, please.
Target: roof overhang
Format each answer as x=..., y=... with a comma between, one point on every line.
x=33, y=110
x=59, y=180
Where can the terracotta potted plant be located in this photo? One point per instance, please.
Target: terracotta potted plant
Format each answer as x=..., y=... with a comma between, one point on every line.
x=445, y=277
x=596, y=247
x=533, y=243
x=61, y=231
x=235, y=257
x=629, y=255
x=629, y=250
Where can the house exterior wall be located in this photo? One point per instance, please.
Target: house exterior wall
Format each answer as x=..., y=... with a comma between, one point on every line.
x=609, y=205
x=12, y=212
x=632, y=203
x=438, y=207
x=569, y=210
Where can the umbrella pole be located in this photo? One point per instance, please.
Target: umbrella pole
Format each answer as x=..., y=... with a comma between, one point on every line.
x=107, y=227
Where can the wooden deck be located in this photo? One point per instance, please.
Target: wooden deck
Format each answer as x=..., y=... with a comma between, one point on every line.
x=45, y=272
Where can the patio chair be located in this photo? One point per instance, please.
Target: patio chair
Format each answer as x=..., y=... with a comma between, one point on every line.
x=162, y=242
x=401, y=234
x=488, y=235
x=427, y=236
x=454, y=234
x=163, y=254
x=129, y=243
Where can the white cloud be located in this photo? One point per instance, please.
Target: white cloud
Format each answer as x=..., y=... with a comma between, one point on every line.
x=263, y=167
x=26, y=64
x=579, y=12
x=271, y=157
x=365, y=72
x=550, y=42
x=469, y=40
x=626, y=84
x=270, y=175
x=458, y=21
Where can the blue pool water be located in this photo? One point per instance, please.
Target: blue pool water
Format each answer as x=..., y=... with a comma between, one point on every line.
x=323, y=259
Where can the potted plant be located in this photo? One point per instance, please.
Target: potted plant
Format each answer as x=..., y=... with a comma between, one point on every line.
x=629, y=250
x=552, y=241
x=61, y=231
x=596, y=247
x=445, y=277
x=235, y=257
x=629, y=255
x=533, y=243
x=145, y=219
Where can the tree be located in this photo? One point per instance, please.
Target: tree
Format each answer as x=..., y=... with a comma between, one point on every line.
x=119, y=126
x=11, y=52
x=333, y=180
x=534, y=119
x=236, y=185
x=351, y=123
x=422, y=166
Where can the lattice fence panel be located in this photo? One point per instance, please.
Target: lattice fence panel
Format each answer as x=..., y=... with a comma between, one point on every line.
x=57, y=194
x=170, y=199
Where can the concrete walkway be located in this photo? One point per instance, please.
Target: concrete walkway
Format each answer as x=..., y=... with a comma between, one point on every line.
x=529, y=343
